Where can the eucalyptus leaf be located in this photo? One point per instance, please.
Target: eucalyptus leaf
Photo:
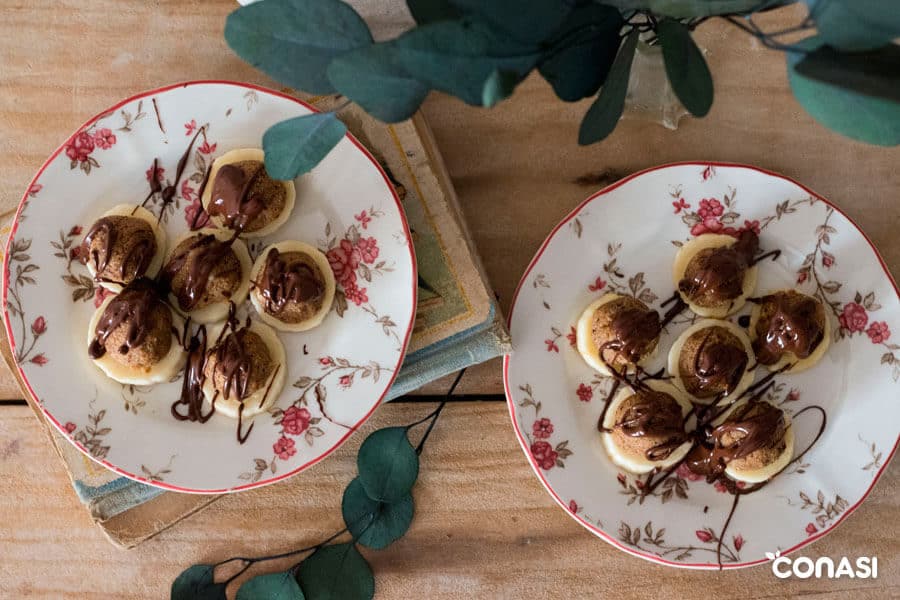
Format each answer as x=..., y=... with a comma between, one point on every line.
x=582, y=51
x=861, y=117
x=388, y=465
x=294, y=40
x=685, y=9
x=685, y=67
x=856, y=24
x=499, y=86
x=336, y=572
x=603, y=115
x=873, y=73
x=429, y=11
x=196, y=583
x=293, y=147
x=273, y=586
x=458, y=57
x=373, y=523
x=532, y=21
x=372, y=78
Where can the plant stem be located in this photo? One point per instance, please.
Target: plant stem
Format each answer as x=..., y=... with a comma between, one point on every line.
x=433, y=415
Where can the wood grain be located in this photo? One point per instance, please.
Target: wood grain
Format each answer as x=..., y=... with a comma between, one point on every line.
x=484, y=527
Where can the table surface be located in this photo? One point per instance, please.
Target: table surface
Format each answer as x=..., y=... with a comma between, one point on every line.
x=484, y=526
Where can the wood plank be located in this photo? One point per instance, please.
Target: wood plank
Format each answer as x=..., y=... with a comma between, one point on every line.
x=484, y=527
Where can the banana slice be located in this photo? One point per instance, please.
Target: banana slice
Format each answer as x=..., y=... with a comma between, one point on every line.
x=245, y=154
x=216, y=311
x=160, y=372
x=259, y=401
x=773, y=468
x=139, y=212
x=678, y=346
x=799, y=364
x=639, y=464
x=584, y=339
x=683, y=258
x=259, y=303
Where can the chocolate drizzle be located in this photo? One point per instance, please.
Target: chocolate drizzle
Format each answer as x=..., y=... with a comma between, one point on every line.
x=231, y=197
x=194, y=377
x=717, y=274
x=654, y=414
x=167, y=194
x=133, y=306
x=284, y=282
x=789, y=322
x=633, y=330
x=201, y=257
x=137, y=257
x=719, y=365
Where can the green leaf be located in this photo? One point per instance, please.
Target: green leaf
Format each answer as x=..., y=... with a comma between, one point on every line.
x=861, y=117
x=685, y=9
x=273, y=586
x=373, y=79
x=429, y=11
x=603, y=115
x=499, y=86
x=874, y=73
x=458, y=57
x=388, y=465
x=372, y=523
x=294, y=40
x=583, y=50
x=336, y=572
x=685, y=67
x=533, y=21
x=295, y=146
x=856, y=24
x=196, y=583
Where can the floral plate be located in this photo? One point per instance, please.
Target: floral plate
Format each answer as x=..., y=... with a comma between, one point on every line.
x=338, y=373
x=628, y=234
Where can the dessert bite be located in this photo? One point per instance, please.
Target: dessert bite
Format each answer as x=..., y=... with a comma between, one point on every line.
x=240, y=195
x=752, y=442
x=205, y=272
x=124, y=244
x=714, y=274
x=789, y=328
x=293, y=286
x=132, y=336
x=643, y=429
x=244, y=371
x=618, y=332
x=711, y=360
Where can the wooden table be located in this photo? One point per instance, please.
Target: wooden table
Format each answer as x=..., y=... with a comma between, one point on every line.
x=484, y=527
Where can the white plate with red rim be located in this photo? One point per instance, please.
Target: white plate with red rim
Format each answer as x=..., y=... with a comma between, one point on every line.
x=337, y=374
x=623, y=239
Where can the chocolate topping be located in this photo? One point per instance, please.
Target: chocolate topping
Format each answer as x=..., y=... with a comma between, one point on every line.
x=715, y=276
x=245, y=196
x=789, y=322
x=291, y=279
x=119, y=247
x=625, y=330
x=202, y=270
x=194, y=377
x=712, y=362
x=240, y=364
x=137, y=326
x=654, y=421
x=757, y=428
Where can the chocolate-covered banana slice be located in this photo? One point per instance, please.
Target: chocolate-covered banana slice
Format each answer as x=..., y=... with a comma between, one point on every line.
x=712, y=359
x=239, y=194
x=617, y=332
x=643, y=429
x=131, y=336
x=124, y=244
x=293, y=286
x=714, y=274
x=788, y=327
